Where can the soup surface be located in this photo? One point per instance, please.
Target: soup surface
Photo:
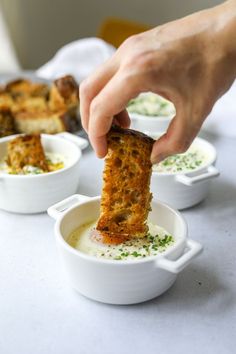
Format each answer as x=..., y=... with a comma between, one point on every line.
x=55, y=162
x=150, y=104
x=156, y=241
x=190, y=160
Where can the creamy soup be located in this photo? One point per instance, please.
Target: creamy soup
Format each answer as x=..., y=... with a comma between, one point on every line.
x=189, y=161
x=156, y=241
x=150, y=104
x=55, y=162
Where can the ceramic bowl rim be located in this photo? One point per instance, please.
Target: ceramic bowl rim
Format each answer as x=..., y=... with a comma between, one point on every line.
x=76, y=150
x=208, y=163
x=143, y=117
x=182, y=239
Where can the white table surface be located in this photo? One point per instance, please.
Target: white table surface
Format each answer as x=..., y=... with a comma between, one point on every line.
x=40, y=313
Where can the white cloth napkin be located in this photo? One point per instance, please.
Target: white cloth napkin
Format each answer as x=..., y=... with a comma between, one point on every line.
x=78, y=58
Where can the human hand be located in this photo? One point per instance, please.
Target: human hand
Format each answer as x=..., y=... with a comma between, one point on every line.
x=190, y=61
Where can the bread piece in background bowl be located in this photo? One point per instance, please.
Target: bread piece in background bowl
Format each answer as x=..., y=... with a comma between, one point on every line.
x=21, y=88
x=7, y=123
x=28, y=183
x=38, y=122
x=38, y=108
x=26, y=150
x=64, y=94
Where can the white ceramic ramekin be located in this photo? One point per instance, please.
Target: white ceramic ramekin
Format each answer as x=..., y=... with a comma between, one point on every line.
x=183, y=190
x=127, y=281
x=149, y=124
x=35, y=193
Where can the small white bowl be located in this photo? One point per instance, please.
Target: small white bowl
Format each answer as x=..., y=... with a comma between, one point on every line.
x=183, y=190
x=125, y=281
x=150, y=124
x=35, y=193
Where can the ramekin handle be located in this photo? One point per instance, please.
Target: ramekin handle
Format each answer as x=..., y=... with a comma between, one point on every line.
x=211, y=172
x=77, y=140
x=59, y=208
x=193, y=249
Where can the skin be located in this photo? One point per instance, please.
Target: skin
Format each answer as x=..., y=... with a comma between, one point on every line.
x=190, y=61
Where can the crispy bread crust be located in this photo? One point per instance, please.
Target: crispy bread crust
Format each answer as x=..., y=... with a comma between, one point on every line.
x=67, y=87
x=126, y=196
x=26, y=150
x=64, y=94
x=21, y=89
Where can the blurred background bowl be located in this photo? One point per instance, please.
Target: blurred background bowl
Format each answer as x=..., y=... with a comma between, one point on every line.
x=28, y=194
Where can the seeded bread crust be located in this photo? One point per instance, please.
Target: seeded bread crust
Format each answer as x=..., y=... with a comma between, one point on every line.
x=126, y=196
x=26, y=150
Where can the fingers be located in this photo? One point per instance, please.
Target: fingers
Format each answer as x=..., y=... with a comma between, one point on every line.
x=122, y=119
x=177, y=139
x=90, y=87
x=100, y=143
x=110, y=101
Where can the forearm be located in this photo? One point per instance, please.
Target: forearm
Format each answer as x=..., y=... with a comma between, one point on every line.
x=225, y=31
x=223, y=42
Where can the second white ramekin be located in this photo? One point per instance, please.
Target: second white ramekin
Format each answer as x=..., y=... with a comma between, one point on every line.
x=35, y=193
x=183, y=190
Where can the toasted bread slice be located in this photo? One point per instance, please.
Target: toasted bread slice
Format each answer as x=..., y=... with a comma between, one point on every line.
x=126, y=197
x=37, y=108
x=22, y=88
x=6, y=101
x=22, y=94
x=7, y=125
x=30, y=105
x=26, y=150
x=64, y=94
x=48, y=122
